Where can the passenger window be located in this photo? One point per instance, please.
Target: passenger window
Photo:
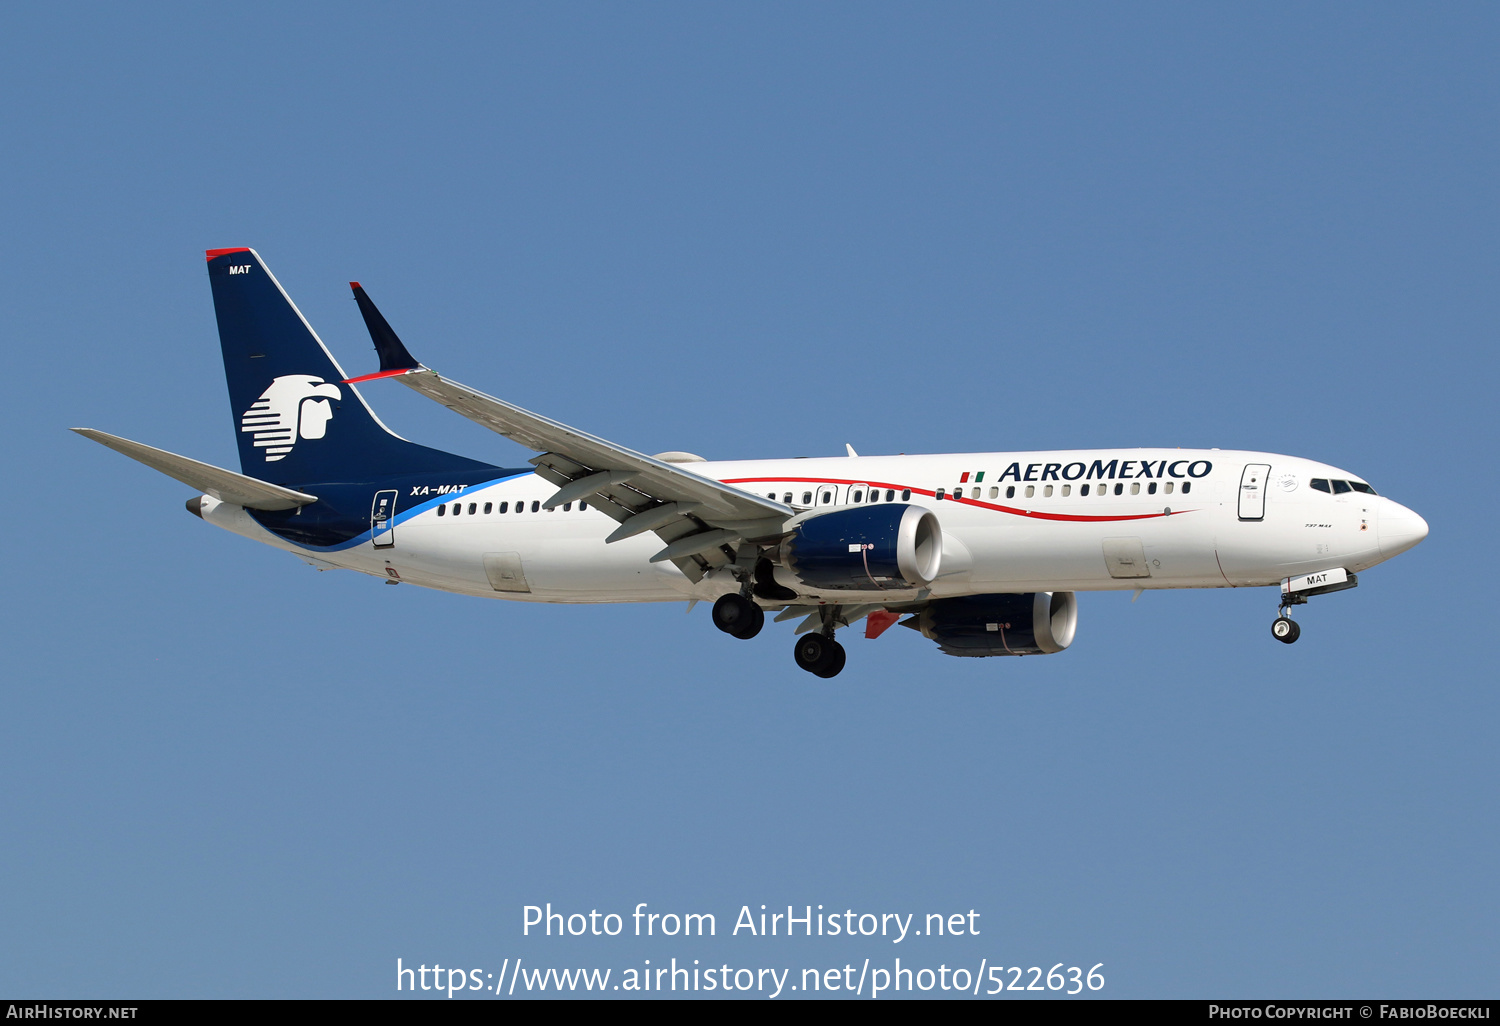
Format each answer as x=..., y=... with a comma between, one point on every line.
x=458, y=508
x=536, y=504
x=567, y=507
x=827, y=497
x=1340, y=487
x=1135, y=488
x=906, y=495
x=1187, y=486
x=489, y=507
x=505, y=507
x=938, y=495
x=994, y=493
x=1320, y=485
x=1169, y=487
x=890, y=495
x=1151, y=488
x=1010, y=491
x=1067, y=490
x=1047, y=491
x=787, y=498
x=443, y=510
x=1119, y=489
x=473, y=508
x=1083, y=490
x=771, y=496
x=858, y=496
x=1030, y=491
x=974, y=494
x=1360, y=486
x=874, y=494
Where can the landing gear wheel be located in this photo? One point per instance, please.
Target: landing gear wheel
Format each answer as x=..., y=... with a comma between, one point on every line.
x=819, y=655
x=738, y=616
x=1285, y=631
x=836, y=664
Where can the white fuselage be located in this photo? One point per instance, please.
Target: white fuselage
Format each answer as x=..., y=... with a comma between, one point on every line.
x=1150, y=518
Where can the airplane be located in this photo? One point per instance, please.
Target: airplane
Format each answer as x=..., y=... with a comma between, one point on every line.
x=983, y=553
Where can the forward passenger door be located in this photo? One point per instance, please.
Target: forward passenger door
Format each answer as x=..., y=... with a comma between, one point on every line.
x=1253, y=491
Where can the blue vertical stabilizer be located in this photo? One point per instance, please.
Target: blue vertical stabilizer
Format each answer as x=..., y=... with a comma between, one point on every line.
x=296, y=419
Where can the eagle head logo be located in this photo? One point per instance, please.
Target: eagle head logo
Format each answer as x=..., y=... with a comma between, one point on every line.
x=292, y=408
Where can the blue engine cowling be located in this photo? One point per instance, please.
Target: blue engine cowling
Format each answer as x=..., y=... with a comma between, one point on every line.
x=1000, y=625
x=865, y=548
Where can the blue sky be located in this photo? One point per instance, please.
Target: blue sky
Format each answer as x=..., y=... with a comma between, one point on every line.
x=745, y=231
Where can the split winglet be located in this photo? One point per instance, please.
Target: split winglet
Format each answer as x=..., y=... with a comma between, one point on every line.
x=394, y=359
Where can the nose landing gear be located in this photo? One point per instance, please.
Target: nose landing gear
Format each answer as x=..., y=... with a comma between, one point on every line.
x=1295, y=591
x=1285, y=630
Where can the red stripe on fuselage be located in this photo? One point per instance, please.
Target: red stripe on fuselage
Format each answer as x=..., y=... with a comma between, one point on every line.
x=1033, y=514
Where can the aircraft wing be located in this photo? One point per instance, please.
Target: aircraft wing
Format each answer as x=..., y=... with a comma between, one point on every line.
x=225, y=485
x=701, y=519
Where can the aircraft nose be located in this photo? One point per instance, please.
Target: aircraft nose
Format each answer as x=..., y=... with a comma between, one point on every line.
x=1399, y=528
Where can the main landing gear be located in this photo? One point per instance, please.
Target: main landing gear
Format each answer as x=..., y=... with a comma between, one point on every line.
x=737, y=616
x=819, y=654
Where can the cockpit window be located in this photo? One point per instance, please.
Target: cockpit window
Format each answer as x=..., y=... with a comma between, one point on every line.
x=1320, y=485
x=1360, y=486
x=1340, y=487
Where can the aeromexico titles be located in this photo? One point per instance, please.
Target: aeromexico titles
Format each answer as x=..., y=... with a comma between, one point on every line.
x=981, y=552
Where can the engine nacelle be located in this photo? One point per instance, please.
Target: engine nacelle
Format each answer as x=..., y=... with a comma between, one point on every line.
x=1000, y=625
x=879, y=547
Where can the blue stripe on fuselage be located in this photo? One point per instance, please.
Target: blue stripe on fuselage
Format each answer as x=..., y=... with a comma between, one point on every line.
x=340, y=519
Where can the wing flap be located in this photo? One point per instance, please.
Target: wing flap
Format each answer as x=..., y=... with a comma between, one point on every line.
x=620, y=482
x=651, y=476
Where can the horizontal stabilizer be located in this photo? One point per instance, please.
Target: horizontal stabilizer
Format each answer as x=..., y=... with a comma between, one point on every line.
x=224, y=485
